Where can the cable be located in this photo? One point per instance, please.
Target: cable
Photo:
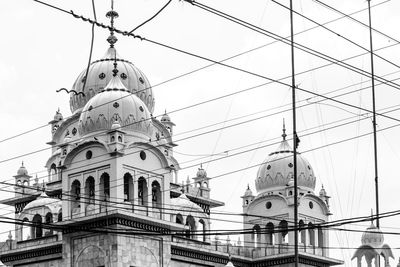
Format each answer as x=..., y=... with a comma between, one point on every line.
x=353, y=19
x=91, y=48
x=337, y=34
x=190, y=72
x=284, y=40
x=155, y=15
x=341, y=141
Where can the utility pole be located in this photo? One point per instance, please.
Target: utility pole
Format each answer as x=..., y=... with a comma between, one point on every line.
x=295, y=142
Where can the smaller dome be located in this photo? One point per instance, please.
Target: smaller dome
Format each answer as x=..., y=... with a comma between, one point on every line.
x=248, y=192
x=165, y=117
x=58, y=116
x=183, y=204
x=201, y=173
x=322, y=192
x=22, y=170
x=114, y=105
x=372, y=237
x=276, y=172
x=44, y=201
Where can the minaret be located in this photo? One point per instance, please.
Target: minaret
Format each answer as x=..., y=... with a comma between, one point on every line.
x=166, y=120
x=202, y=182
x=248, y=197
x=56, y=122
x=21, y=180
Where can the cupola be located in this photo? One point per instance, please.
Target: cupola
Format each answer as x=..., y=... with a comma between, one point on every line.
x=276, y=172
x=95, y=79
x=115, y=105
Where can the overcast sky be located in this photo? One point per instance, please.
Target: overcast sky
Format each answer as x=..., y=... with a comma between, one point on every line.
x=43, y=50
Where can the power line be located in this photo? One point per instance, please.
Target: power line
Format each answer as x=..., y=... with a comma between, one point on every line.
x=284, y=40
x=190, y=72
x=339, y=35
x=152, y=17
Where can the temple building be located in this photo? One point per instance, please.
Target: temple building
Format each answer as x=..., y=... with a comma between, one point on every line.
x=113, y=195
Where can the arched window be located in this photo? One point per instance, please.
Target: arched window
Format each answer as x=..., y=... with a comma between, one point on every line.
x=128, y=187
x=142, y=191
x=53, y=172
x=26, y=231
x=37, y=230
x=302, y=232
x=89, y=190
x=270, y=233
x=311, y=235
x=256, y=235
x=76, y=196
x=283, y=228
x=203, y=229
x=60, y=216
x=179, y=218
x=156, y=195
x=49, y=220
x=191, y=226
x=105, y=187
x=320, y=237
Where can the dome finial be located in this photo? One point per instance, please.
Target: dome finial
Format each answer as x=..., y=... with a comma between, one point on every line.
x=112, y=15
x=115, y=70
x=284, y=130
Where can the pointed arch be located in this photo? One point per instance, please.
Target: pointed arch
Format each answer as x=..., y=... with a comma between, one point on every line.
x=191, y=224
x=128, y=187
x=156, y=195
x=37, y=229
x=256, y=235
x=283, y=228
x=270, y=233
x=142, y=191
x=311, y=234
x=302, y=232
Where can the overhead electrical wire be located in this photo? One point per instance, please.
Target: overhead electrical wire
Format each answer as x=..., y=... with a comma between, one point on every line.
x=338, y=34
x=337, y=142
x=394, y=85
x=231, y=57
x=152, y=17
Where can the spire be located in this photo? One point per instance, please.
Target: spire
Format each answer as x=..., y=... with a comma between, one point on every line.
x=112, y=15
x=284, y=130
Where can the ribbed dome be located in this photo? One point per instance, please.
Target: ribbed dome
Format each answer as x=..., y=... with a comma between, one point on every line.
x=113, y=104
x=372, y=236
x=276, y=172
x=100, y=74
x=44, y=201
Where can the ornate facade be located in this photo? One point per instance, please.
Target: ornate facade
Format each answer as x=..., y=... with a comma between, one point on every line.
x=112, y=196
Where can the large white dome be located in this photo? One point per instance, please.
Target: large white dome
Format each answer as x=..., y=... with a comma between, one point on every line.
x=277, y=170
x=100, y=74
x=115, y=104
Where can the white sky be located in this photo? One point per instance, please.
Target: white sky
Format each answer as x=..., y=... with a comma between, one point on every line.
x=44, y=50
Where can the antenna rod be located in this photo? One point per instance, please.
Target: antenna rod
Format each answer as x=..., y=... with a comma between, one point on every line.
x=295, y=142
x=374, y=117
